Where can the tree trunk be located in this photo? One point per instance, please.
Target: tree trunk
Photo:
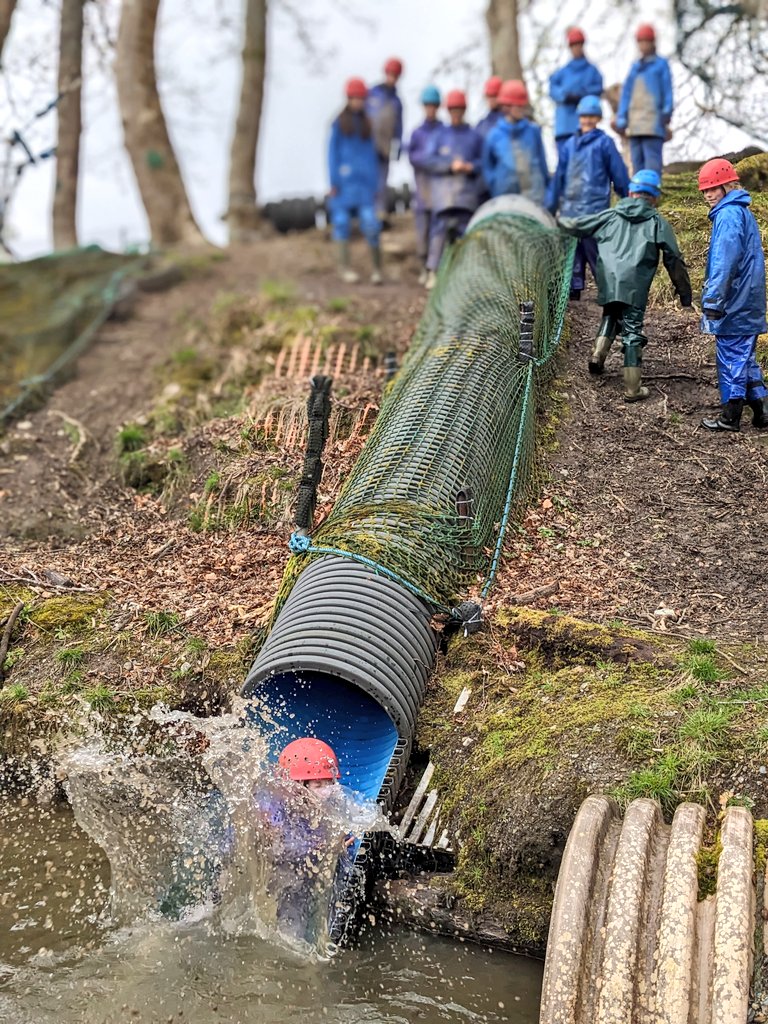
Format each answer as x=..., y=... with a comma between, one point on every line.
x=242, y=215
x=6, y=13
x=70, y=124
x=501, y=18
x=145, y=131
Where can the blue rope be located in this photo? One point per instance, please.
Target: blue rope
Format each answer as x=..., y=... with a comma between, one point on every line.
x=516, y=461
x=300, y=544
x=510, y=489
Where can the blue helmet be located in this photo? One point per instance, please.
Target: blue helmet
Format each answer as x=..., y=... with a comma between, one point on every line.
x=646, y=181
x=590, y=106
x=431, y=94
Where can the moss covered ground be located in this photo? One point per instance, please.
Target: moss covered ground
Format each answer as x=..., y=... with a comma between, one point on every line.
x=561, y=708
x=145, y=529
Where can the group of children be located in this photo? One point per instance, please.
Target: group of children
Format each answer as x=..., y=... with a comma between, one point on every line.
x=457, y=167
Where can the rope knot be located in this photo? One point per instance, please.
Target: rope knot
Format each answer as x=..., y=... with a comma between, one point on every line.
x=299, y=543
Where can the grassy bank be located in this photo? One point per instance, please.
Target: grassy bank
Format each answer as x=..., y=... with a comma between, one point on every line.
x=561, y=708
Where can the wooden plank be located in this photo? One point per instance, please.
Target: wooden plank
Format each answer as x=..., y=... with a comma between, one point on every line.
x=429, y=838
x=423, y=818
x=417, y=798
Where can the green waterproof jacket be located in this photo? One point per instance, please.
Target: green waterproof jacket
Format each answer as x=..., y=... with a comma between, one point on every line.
x=629, y=238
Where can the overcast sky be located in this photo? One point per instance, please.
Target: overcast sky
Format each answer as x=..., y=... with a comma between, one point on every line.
x=198, y=67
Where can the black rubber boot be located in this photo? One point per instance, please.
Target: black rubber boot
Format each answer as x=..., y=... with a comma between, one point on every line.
x=729, y=418
x=574, y=295
x=759, y=413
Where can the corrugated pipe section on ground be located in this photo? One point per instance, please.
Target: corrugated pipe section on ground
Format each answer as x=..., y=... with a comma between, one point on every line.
x=630, y=941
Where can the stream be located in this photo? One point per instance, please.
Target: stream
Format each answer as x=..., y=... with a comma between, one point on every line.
x=62, y=960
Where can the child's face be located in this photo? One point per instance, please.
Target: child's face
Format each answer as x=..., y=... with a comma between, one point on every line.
x=588, y=121
x=321, y=788
x=356, y=104
x=515, y=113
x=712, y=196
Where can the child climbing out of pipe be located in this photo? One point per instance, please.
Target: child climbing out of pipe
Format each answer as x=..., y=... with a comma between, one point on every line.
x=297, y=829
x=630, y=237
x=274, y=842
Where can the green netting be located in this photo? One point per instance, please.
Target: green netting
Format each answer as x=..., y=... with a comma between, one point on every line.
x=49, y=309
x=458, y=417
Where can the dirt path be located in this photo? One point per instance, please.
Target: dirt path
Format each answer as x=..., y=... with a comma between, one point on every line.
x=64, y=504
x=644, y=510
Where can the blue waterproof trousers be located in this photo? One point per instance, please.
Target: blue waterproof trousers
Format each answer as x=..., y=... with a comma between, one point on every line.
x=453, y=221
x=645, y=151
x=423, y=221
x=586, y=253
x=738, y=372
x=381, y=187
x=341, y=219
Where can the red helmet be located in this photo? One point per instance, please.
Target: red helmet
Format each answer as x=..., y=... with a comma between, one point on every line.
x=646, y=33
x=307, y=759
x=716, y=172
x=356, y=89
x=456, y=98
x=575, y=35
x=492, y=86
x=394, y=66
x=513, y=94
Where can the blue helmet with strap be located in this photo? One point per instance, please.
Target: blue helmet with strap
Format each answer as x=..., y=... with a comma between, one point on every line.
x=431, y=94
x=590, y=106
x=646, y=181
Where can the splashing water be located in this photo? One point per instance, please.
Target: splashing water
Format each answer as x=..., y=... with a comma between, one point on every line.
x=204, y=826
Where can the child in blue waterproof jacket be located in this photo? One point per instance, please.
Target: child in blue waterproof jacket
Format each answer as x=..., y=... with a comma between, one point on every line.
x=569, y=85
x=733, y=298
x=454, y=163
x=353, y=172
x=304, y=852
x=419, y=153
x=646, y=104
x=514, y=161
x=589, y=165
x=385, y=110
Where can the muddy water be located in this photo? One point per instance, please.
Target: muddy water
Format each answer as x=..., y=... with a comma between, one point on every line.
x=62, y=961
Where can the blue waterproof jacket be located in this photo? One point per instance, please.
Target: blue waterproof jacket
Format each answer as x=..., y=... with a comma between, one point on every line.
x=385, y=110
x=455, y=191
x=491, y=119
x=514, y=161
x=588, y=166
x=569, y=84
x=646, y=101
x=734, y=281
x=418, y=154
x=352, y=167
